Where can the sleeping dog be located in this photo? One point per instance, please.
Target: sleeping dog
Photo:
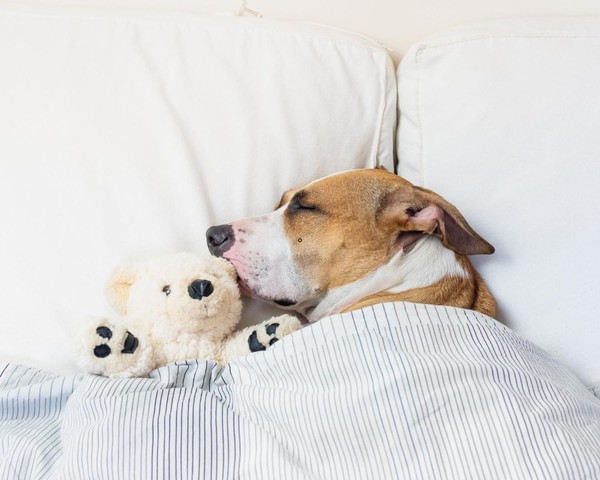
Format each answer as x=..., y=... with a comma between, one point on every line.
x=354, y=239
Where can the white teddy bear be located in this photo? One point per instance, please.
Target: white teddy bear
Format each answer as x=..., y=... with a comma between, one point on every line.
x=177, y=307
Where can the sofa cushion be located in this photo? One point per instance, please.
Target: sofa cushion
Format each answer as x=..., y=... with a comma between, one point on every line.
x=502, y=119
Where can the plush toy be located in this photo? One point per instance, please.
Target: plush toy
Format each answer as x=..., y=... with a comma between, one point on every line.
x=177, y=307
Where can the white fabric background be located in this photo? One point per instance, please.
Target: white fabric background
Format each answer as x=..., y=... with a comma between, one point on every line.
x=397, y=23
x=502, y=119
x=126, y=135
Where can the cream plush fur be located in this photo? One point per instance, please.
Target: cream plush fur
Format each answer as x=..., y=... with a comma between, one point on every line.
x=177, y=307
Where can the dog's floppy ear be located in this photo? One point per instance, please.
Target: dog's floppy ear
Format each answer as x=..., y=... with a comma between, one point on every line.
x=118, y=286
x=420, y=211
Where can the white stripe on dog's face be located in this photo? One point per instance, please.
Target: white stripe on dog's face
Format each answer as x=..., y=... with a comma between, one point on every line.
x=262, y=257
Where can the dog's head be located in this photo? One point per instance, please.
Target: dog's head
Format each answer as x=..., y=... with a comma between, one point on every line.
x=336, y=231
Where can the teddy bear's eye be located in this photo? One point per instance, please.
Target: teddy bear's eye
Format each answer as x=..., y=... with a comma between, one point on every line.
x=167, y=290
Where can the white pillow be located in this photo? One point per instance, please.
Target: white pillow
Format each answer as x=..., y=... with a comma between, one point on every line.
x=502, y=119
x=126, y=135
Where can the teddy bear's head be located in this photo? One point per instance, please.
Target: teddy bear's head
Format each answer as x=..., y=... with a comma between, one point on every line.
x=179, y=293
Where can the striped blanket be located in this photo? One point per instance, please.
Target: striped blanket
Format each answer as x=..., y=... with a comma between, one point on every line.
x=398, y=390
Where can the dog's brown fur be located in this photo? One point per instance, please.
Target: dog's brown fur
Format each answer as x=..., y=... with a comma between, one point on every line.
x=359, y=220
x=471, y=293
x=354, y=239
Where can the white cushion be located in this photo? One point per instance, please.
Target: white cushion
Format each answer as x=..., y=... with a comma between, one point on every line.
x=126, y=135
x=502, y=119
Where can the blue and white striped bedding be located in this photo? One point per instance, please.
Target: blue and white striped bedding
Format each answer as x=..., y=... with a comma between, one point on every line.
x=398, y=390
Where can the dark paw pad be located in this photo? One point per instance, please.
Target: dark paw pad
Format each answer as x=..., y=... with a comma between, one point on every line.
x=131, y=344
x=254, y=343
x=104, y=332
x=102, y=351
x=272, y=328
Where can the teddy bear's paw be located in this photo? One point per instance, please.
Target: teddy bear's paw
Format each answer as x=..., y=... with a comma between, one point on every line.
x=127, y=345
x=110, y=349
x=258, y=337
x=271, y=331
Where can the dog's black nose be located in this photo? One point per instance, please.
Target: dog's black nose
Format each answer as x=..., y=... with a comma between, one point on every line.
x=200, y=288
x=219, y=238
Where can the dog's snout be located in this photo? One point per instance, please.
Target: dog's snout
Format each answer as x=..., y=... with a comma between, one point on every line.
x=219, y=239
x=200, y=288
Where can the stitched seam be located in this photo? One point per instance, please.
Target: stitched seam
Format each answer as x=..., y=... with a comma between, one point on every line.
x=510, y=37
x=194, y=22
x=419, y=118
x=382, y=107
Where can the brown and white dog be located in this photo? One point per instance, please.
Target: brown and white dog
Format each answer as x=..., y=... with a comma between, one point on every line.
x=354, y=239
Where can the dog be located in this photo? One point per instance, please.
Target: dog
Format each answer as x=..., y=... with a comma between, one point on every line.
x=354, y=239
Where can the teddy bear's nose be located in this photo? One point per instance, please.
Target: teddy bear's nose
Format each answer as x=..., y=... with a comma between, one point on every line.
x=200, y=288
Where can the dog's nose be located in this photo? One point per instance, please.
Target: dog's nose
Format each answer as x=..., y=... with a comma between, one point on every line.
x=219, y=238
x=200, y=288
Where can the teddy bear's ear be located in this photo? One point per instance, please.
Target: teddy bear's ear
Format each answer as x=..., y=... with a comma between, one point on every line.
x=117, y=288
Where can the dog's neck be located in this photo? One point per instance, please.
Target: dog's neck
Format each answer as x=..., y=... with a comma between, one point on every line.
x=426, y=264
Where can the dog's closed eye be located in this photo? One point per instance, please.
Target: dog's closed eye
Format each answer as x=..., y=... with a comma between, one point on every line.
x=299, y=203
x=305, y=207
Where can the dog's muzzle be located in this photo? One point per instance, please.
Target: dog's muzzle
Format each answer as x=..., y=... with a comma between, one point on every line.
x=219, y=238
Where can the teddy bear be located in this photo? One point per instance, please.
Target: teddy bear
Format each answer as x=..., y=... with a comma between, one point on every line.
x=177, y=307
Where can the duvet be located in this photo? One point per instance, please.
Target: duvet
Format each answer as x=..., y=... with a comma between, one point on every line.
x=397, y=390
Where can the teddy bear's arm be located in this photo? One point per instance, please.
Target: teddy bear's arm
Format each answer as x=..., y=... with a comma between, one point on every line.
x=258, y=337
